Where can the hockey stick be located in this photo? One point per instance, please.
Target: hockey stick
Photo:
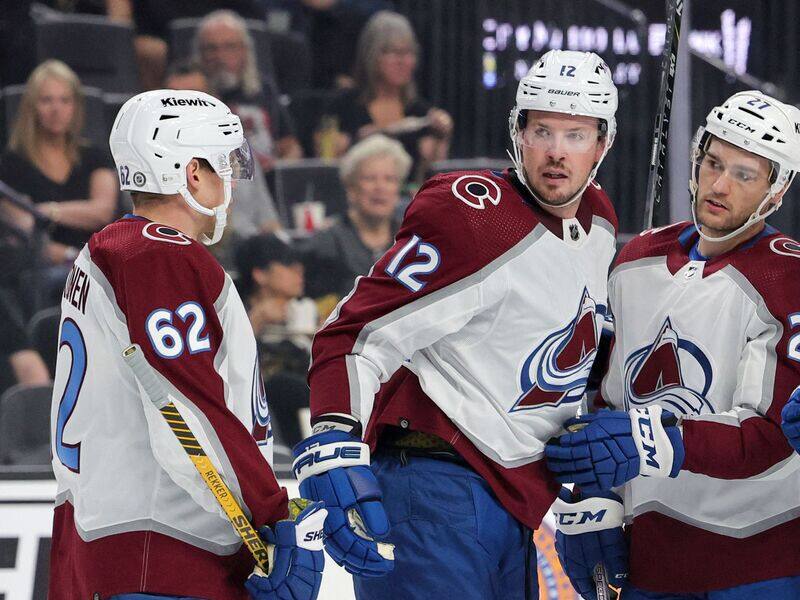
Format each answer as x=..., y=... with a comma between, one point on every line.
x=142, y=370
x=669, y=65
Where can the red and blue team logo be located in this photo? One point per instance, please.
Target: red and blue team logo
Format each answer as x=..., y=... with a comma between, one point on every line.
x=557, y=371
x=661, y=371
x=262, y=429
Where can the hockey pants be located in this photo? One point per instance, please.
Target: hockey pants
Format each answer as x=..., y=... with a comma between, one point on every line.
x=452, y=537
x=784, y=588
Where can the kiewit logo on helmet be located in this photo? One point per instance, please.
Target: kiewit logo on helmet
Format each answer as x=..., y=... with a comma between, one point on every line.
x=185, y=102
x=562, y=92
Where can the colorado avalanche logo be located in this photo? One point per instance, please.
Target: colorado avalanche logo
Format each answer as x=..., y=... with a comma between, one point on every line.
x=656, y=373
x=262, y=429
x=557, y=371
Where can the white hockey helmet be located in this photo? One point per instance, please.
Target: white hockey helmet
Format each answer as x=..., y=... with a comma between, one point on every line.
x=758, y=124
x=568, y=82
x=157, y=133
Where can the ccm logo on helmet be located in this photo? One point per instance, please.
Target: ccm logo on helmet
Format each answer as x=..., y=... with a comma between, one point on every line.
x=563, y=92
x=741, y=125
x=185, y=102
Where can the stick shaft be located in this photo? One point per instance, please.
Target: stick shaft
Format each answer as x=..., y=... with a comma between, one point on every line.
x=669, y=65
x=600, y=581
x=142, y=370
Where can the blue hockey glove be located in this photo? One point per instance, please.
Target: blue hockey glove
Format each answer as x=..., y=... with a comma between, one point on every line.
x=790, y=423
x=588, y=533
x=296, y=557
x=334, y=467
x=608, y=448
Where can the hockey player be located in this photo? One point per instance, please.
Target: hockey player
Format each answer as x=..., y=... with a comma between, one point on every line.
x=133, y=518
x=436, y=382
x=704, y=358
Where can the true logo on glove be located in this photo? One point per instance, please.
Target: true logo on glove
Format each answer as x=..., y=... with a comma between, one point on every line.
x=313, y=458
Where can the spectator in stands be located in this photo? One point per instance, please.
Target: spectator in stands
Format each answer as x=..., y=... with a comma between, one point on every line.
x=385, y=99
x=186, y=75
x=151, y=19
x=373, y=173
x=271, y=279
x=19, y=361
x=255, y=209
x=71, y=183
x=271, y=283
x=225, y=50
x=332, y=55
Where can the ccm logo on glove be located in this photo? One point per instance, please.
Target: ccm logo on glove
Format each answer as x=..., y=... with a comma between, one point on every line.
x=646, y=433
x=580, y=518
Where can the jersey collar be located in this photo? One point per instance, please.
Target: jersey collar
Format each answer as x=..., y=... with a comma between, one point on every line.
x=555, y=225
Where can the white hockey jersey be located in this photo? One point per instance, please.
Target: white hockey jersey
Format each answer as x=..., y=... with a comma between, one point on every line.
x=132, y=513
x=480, y=326
x=718, y=343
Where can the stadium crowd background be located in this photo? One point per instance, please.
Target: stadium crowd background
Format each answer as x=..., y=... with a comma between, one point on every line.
x=349, y=105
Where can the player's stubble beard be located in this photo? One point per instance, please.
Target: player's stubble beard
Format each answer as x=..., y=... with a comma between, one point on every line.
x=557, y=199
x=728, y=225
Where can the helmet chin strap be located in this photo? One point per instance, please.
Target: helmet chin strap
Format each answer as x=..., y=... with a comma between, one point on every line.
x=758, y=215
x=754, y=218
x=220, y=212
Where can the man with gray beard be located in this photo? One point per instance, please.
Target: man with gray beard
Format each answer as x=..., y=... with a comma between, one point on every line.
x=225, y=50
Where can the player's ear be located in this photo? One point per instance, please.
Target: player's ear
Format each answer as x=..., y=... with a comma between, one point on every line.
x=600, y=147
x=193, y=173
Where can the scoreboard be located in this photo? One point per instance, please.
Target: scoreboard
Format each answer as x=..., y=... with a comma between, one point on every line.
x=624, y=38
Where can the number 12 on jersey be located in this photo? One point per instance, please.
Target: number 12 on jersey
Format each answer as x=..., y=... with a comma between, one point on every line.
x=430, y=261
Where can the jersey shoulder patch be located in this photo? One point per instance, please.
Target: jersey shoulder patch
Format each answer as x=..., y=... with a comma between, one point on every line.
x=482, y=209
x=476, y=190
x=772, y=266
x=155, y=255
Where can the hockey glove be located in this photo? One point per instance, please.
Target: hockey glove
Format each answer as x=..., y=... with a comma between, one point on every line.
x=333, y=466
x=296, y=557
x=608, y=448
x=588, y=533
x=790, y=423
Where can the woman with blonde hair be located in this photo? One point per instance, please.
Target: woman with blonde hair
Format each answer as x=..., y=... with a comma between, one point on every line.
x=70, y=182
x=384, y=99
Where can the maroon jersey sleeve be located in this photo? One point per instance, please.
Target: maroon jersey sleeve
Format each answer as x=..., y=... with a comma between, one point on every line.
x=768, y=373
x=436, y=247
x=167, y=292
